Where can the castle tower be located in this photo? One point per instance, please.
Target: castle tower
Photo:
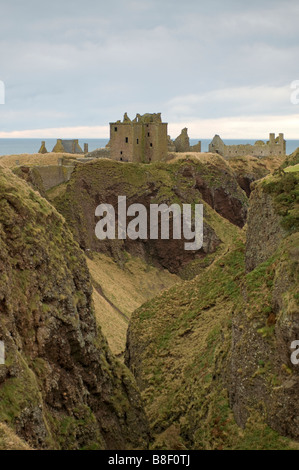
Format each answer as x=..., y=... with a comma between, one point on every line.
x=271, y=139
x=142, y=140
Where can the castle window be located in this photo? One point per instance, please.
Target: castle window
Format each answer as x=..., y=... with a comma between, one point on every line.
x=148, y=134
x=127, y=140
x=137, y=141
x=121, y=159
x=151, y=144
x=115, y=129
x=121, y=152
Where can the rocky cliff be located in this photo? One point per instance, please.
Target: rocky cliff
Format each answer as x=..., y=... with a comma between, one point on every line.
x=263, y=376
x=183, y=181
x=214, y=353
x=60, y=386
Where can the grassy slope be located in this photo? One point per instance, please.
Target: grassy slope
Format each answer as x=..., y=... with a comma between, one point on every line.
x=183, y=351
x=128, y=284
x=118, y=292
x=51, y=158
x=252, y=164
x=39, y=260
x=180, y=347
x=10, y=441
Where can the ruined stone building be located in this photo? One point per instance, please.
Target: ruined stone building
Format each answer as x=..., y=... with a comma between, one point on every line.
x=65, y=146
x=274, y=146
x=143, y=139
x=182, y=143
x=69, y=146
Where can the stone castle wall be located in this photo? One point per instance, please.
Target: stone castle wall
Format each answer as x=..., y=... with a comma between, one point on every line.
x=275, y=146
x=142, y=140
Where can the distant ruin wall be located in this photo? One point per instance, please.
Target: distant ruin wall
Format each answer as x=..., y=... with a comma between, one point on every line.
x=182, y=143
x=275, y=146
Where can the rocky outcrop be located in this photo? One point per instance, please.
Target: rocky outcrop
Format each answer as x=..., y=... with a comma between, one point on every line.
x=263, y=376
x=214, y=353
x=249, y=169
x=265, y=232
x=60, y=386
x=180, y=182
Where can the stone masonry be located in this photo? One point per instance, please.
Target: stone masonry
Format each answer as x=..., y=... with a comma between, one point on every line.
x=142, y=140
x=275, y=146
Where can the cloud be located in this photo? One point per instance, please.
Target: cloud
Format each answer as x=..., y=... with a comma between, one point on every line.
x=71, y=64
x=79, y=132
x=238, y=100
x=242, y=127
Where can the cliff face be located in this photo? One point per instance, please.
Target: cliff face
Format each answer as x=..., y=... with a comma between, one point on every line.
x=60, y=386
x=250, y=169
x=263, y=375
x=264, y=229
x=184, y=181
x=221, y=342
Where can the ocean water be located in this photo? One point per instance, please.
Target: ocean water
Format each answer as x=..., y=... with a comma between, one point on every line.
x=18, y=146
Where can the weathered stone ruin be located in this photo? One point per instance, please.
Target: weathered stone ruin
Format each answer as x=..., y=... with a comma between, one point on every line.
x=43, y=148
x=69, y=146
x=274, y=146
x=142, y=140
x=182, y=143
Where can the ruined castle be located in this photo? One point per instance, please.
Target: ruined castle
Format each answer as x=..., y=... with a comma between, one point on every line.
x=274, y=146
x=142, y=140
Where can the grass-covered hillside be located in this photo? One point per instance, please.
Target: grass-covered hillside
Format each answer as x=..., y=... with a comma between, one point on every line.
x=60, y=387
x=212, y=355
x=185, y=181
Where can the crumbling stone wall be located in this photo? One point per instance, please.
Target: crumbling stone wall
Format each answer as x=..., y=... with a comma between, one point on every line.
x=275, y=146
x=182, y=143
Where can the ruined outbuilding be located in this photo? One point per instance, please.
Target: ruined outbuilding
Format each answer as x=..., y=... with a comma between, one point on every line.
x=182, y=143
x=274, y=146
x=143, y=139
x=69, y=146
x=43, y=148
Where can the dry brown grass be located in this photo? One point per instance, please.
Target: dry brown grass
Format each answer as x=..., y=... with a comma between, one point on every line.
x=36, y=159
x=10, y=441
x=202, y=157
x=250, y=163
x=124, y=290
x=236, y=163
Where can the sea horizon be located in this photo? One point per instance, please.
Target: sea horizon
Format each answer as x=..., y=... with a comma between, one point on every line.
x=18, y=146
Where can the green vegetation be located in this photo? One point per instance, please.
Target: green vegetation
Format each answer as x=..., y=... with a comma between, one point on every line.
x=189, y=331
x=285, y=190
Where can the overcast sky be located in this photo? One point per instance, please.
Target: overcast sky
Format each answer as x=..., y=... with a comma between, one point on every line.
x=214, y=66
